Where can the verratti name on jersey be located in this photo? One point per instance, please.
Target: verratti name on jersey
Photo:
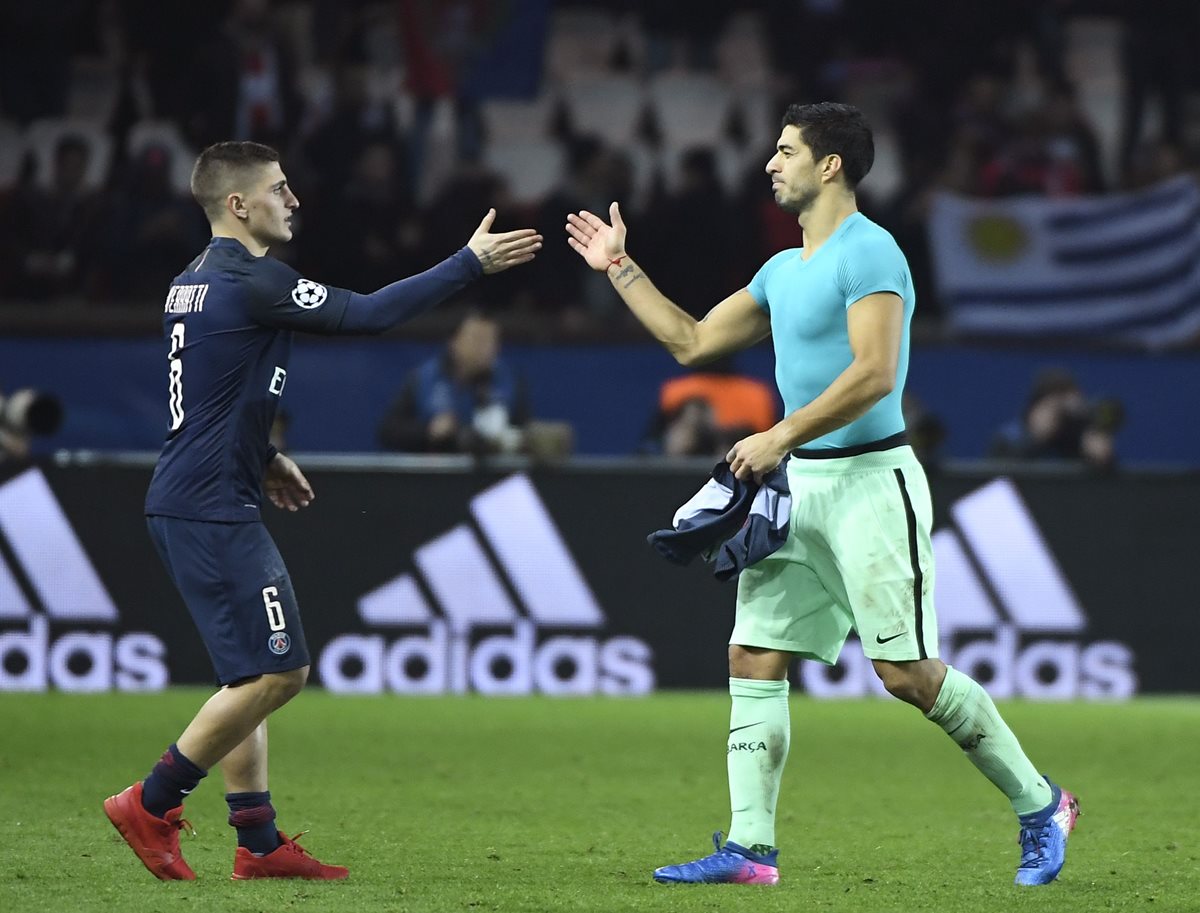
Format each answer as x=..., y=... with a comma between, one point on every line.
x=186, y=299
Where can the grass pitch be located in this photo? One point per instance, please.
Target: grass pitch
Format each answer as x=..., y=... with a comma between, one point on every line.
x=465, y=804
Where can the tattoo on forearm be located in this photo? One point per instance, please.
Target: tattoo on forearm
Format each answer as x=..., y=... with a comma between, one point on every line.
x=622, y=274
x=640, y=275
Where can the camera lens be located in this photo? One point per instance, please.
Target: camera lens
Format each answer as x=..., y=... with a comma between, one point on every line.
x=30, y=412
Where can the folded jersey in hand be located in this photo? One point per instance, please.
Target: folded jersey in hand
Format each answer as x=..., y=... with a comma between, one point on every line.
x=731, y=524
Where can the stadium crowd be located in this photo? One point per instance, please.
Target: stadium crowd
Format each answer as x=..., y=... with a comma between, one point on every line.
x=400, y=121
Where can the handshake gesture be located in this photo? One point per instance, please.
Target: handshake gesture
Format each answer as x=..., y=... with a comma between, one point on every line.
x=497, y=252
x=595, y=240
x=598, y=242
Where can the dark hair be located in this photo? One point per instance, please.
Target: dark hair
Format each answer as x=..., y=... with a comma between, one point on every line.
x=220, y=167
x=830, y=128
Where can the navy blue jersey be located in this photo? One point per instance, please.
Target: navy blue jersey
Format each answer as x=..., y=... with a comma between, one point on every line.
x=228, y=320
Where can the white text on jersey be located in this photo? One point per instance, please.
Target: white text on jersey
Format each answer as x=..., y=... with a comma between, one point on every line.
x=186, y=299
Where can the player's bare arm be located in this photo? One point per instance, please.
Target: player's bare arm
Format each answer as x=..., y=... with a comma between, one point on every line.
x=734, y=324
x=875, y=325
x=500, y=251
x=286, y=485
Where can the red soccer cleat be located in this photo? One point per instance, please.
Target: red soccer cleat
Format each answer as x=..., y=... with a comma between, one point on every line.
x=289, y=860
x=154, y=840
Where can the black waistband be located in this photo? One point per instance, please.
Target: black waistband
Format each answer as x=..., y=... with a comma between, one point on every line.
x=898, y=439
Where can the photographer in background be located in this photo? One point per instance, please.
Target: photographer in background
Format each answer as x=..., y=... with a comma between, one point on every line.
x=708, y=410
x=24, y=414
x=1060, y=423
x=469, y=400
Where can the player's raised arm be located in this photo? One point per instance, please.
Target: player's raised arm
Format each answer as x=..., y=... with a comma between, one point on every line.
x=486, y=252
x=288, y=301
x=734, y=324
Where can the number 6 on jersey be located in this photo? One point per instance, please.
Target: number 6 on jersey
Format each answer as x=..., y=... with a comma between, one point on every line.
x=175, y=388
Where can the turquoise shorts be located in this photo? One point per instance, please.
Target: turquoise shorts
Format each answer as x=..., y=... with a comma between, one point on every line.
x=858, y=558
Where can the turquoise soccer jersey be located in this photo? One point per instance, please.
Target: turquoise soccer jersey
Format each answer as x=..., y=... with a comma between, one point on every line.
x=807, y=301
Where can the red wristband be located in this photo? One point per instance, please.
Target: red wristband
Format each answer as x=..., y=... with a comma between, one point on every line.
x=617, y=262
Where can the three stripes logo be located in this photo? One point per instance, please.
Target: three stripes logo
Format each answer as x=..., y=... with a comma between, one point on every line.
x=997, y=577
x=51, y=601
x=1007, y=615
x=496, y=605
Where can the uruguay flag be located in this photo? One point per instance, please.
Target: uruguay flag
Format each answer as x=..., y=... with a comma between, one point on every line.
x=1118, y=268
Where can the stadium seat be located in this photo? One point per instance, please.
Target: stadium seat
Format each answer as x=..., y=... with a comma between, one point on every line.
x=760, y=115
x=887, y=173
x=743, y=58
x=690, y=108
x=531, y=168
x=508, y=119
x=645, y=164
x=165, y=134
x=94, y=90
x=42, y=139
x=440, y=154
x=607, y=105
x=1093, y=64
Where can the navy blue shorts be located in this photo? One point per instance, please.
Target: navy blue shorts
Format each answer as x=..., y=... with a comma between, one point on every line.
x=238, y=592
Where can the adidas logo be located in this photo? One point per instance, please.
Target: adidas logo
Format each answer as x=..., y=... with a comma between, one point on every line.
x=1007, y=615
x=492, y=599
x=48, y=589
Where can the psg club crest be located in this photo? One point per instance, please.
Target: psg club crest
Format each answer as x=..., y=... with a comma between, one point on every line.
x=308, y=294
x=279, y=643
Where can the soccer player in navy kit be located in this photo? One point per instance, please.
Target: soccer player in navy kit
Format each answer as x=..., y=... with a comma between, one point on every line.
x=228, y=321
x=858, y=554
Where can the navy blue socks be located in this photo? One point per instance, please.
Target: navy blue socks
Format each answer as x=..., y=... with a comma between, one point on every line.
x=254, y=817
x=173, y=777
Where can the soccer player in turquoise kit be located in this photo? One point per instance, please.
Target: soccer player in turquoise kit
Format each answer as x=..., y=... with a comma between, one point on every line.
x=228, y=322
x=858, y=554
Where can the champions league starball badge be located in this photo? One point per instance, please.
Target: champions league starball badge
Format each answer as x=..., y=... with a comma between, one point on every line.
x=308, y=294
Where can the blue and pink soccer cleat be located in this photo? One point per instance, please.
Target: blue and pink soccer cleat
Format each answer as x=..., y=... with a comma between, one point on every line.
x=1043, y=838
x=730, y=864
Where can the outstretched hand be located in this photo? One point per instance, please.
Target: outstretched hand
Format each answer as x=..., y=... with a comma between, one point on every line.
x=497, y=252
x=595, y=240
x=285, y=484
